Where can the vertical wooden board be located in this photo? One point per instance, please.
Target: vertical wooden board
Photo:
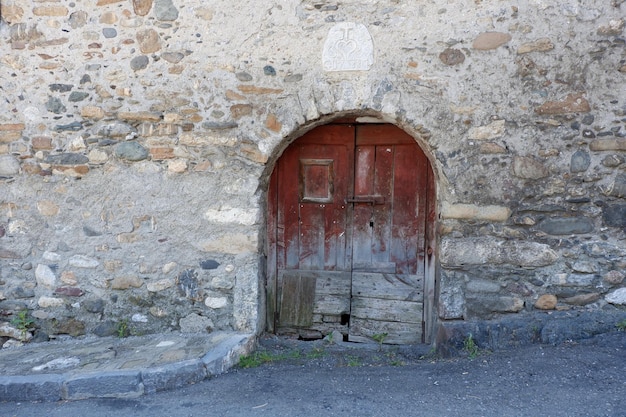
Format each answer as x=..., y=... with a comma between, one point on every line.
x=406, y=214
x=362, y=231
x=381, y=218
x=271, y=250
x=327, y=228
x=430, y=290
x=364, y=170
x=312, y=236
x=336, y=214
x=297, y=300
x=288, y=210
x=336, y=245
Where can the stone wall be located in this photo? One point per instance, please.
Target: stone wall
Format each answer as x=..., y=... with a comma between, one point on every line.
x=137, y=138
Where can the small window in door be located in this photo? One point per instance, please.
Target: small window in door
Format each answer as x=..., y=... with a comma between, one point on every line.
x=316, y=180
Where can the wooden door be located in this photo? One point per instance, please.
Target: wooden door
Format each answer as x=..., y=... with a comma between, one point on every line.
x=347, y=235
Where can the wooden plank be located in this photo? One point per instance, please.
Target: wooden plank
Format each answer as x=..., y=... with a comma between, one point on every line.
x=362, y=222
x=397, y=333
x=297, y=300
x=312, y=236
x=331, y=305
x=380, y=267
x=381, y=213
x=430, y=314
x=288, y=210
x=386, y=310
x=328, y=134
x=271, y=251
x=332, y=282
x=332, y=290
x=388, y=286
x=406, y=230
x=382, y=134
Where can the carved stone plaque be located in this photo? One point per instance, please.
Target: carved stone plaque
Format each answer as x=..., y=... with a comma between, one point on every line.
x=348, y=47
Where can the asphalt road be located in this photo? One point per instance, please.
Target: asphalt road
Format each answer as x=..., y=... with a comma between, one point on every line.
x=574, y=379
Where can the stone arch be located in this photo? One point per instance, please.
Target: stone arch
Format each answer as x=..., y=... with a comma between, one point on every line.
x=421, y=136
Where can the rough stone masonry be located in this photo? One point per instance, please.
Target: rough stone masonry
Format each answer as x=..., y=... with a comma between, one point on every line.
x=137, y=138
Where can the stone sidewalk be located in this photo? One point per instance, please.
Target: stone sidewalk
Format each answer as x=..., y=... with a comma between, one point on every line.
x=101, y=367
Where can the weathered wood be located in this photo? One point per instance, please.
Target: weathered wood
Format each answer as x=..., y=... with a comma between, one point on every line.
x=383, y=134
x=271, y=251
x=351, y=206
x=332, y=305
x=381, y=267
x=332, y=282
x=397, y=333
x=408, y=214
x=430, y=256
x=386, y=310
x=387, y=286
x=297, y=300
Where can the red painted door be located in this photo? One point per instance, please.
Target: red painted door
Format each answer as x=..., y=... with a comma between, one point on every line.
x=346, y=235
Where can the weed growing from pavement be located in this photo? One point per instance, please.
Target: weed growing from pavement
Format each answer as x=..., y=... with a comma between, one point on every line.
x=380, y=338
x=255, y=359
x=621, y=326
x=316, y=353
x=262, y=357
x=470, y=346
x=353, y=361
x=393, y=360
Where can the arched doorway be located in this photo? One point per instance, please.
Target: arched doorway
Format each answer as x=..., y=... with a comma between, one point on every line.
x=351, y=210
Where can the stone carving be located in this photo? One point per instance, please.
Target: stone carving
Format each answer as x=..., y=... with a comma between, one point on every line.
x=348, y=47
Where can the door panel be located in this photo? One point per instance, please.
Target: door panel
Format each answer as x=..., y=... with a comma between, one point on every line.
x=346, y=234
x=312, y=220
x=386, y=235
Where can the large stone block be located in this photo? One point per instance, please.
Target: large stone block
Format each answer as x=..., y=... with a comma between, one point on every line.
x=617, y=188
x=173, y=376
x=474, y=212
x=528, y=167
x=31, y=388
x=617, y=297
x=614, y=215
x=481, y=251
x=232, y=215
x=485, y=306
x=124, y=384
x=573, y=103
x=566, y=225
x=493, y=130
x=9, y=165
x=234, y=243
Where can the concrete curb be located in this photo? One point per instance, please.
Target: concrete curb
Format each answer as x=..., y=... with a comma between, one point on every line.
x=126, y=383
